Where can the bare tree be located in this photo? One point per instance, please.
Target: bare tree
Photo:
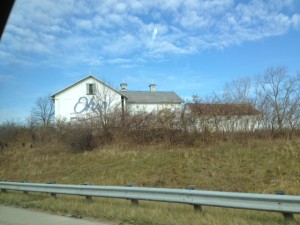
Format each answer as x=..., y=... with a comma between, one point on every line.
x=42, y=112
x=107, y=106
x=238, y=91
x=275, y=93
x=279, y=98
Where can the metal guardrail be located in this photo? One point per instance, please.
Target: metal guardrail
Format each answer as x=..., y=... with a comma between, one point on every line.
x=285, y=204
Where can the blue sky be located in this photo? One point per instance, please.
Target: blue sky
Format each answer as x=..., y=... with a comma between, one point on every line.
x=186, y=46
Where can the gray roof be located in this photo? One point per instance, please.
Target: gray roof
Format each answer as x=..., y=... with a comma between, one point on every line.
x=90, y=76
x=147, y=97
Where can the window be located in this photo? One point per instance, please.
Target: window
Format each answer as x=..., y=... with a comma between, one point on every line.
x=90, y=89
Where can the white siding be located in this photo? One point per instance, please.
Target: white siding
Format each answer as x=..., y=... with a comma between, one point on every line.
x=133, y=107
x=74, y=101
x=223, y=123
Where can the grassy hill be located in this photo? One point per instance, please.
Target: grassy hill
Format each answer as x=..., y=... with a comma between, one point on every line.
x=256, y=166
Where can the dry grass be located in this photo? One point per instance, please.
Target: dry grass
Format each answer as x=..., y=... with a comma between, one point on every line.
x=259, y=166
x=121, y=211
x=255, y=166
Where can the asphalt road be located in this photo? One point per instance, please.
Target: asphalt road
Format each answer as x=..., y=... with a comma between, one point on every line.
x=18, y=216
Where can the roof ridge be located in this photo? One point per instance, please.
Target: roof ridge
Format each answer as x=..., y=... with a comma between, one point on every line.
x=87, y=77
x=148, y=91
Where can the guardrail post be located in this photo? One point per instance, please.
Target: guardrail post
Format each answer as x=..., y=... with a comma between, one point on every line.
x=51, y=182
x=2, y=189
x=197, y=208
x=88, y=198
x=133, y=201
x=53, y=195
x=286, y=216
x=24, y=181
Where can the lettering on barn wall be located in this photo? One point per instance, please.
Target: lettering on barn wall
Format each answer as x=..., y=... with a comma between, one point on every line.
x=84, y=105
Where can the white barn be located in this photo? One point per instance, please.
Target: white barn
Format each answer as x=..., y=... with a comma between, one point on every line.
x=91, y=96
x=222, y=117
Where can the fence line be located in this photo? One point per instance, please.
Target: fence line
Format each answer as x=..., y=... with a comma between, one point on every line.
x=285, y=204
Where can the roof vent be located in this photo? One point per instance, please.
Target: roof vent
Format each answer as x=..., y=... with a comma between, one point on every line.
x=152, y=87
x=123, y=86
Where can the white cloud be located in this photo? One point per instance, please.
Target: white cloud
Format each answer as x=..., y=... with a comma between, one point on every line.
x=111, y=29
x=121, y=45
x=84, y=24
x=114, y=19
x=154, y=33
x=93, y=60
x=296, y=21
x=119, y=61
x=192, y=20
x=120, y=7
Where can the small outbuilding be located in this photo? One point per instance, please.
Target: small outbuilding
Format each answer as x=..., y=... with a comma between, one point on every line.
x=222, y=116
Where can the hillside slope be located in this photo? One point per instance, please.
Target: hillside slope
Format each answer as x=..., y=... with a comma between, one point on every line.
x=259, y=166
x=256, y=166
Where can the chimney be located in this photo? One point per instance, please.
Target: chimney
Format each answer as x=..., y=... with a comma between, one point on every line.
x=152, y=87
x=123, y=86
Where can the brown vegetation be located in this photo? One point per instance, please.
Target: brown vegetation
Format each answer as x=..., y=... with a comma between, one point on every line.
x=144, y=152
x=231, y=161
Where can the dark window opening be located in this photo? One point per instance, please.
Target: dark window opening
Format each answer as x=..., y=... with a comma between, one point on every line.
x=90, y=89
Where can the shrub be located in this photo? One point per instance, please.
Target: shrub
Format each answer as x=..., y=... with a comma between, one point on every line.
x=80, y=138
x=43, y=134
x=83, y=135
x=12, y=133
